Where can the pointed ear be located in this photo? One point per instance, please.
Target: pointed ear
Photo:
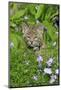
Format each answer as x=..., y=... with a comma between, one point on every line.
x=25, y=27
x=40, y=27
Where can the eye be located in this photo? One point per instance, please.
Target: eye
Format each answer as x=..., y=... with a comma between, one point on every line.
x=28, y=38
x=35, y=38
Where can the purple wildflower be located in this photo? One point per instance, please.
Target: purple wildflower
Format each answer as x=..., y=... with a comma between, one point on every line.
x=49, y=62
x=47, y=71
x=53, y=78
x=39, y=59
x=35, y=78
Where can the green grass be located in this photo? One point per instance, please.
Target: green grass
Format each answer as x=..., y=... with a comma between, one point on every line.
x=20, y=73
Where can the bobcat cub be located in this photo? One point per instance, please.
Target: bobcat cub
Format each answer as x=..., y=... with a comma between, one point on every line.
x=34, y=35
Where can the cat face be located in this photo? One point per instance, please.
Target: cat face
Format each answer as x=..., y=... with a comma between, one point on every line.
x=33, y=35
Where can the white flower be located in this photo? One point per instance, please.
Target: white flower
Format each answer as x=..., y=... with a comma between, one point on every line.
x=11, y=45
x=26, y=17
x=26, y=62
x=47, y=71
x=13, y=25
x=16, y=29
x=49, y=62
x=52, y=81
x=56, y=33
x=36, y=7
x=54, y=44
x=37, y=21
x=57, y=71
x=35, y=78
x=39, y=59
x=25, y=71
x=53, y=78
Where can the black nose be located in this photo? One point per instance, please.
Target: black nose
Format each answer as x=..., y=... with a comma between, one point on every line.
x=31, y=42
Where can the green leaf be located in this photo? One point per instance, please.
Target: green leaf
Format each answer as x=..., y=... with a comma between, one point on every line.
x=51, y=30
x=54, y=14
x=31, y=20
x=18, y=14
x=39, y=11
x=32, y=9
